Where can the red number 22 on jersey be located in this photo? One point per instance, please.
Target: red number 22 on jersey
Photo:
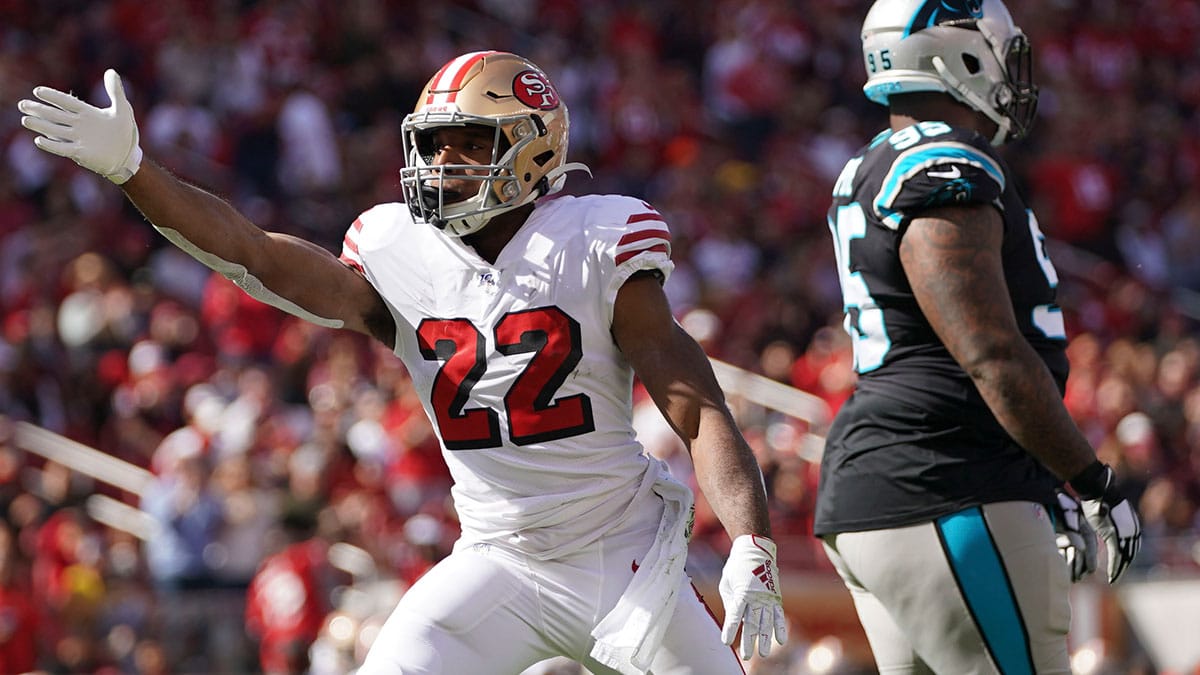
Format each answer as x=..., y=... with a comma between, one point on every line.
x=534, y=416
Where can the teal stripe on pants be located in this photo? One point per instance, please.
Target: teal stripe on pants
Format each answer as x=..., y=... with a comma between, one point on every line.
x=984, y=584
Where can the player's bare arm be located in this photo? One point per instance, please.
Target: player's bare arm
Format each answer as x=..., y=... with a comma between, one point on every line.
x=296, y=270
x=293, y=275
x=951, y=256
x=678, y=377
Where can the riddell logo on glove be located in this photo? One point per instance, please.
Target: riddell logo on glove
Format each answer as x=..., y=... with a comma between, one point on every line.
x=765, y=575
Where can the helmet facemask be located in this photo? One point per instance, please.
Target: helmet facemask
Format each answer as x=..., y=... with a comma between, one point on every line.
x=1017, y=99
x=1012, y=101
x=499, y=190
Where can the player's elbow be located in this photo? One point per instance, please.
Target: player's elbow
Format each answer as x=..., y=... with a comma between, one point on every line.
x=991, y=361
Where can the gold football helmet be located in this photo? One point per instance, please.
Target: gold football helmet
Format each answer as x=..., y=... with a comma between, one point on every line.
x=509, y=94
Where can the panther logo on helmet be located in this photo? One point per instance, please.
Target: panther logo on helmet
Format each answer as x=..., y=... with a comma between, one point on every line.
x=943, y=12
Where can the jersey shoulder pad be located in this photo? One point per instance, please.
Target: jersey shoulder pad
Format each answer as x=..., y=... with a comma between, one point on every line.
x=932, y=164
x=627, y=228
x=623, y=236
x=372, y=229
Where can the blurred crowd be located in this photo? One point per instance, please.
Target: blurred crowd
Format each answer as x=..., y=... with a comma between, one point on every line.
x=292, y=466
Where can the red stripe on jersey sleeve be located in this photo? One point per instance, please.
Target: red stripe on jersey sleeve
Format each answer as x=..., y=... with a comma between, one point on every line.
x=353, y=263
x=349, y=243
x=643, y=217
x=644, y=234
x=657, y=248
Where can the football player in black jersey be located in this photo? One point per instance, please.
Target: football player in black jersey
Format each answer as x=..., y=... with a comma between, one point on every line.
x=951, y=481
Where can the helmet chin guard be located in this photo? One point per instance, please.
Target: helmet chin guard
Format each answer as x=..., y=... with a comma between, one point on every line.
x=514, y=98
x=969, y=49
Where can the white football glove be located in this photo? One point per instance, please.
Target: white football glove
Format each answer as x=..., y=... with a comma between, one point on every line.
x=750, y=592
x=103, y=140
x=1075, y=538
x=1111, y=515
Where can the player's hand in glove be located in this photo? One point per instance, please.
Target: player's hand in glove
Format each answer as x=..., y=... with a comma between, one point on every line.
x=750, y=592
x=1110, y=514
x=103, y=140
x=1076, y=539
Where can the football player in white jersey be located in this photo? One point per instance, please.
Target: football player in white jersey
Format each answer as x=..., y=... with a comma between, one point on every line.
x=523, y=322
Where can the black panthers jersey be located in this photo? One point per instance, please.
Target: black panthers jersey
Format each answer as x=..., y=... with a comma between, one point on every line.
x=916, y=440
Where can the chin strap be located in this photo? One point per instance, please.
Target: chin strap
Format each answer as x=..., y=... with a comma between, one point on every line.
x=1003, y=124
x=556, y=178
x=553, y=181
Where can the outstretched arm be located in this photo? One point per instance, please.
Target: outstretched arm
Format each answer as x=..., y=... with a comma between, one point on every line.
x=283, y=271
x=678, y=376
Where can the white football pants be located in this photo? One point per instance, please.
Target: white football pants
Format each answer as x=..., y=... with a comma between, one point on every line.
x=488, y=610
x=984, y=590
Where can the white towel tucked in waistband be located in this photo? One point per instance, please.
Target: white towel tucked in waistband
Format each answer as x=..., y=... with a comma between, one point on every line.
x=629, y=636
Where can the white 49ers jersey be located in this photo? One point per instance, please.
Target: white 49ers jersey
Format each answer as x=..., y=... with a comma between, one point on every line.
x=516, y=364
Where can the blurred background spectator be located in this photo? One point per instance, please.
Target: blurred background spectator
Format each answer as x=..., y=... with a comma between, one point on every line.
x=731, y=116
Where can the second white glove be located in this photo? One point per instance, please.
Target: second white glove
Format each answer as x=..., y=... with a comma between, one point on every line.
x=1075, y=537
x=103, y=140
x=1110, y=515
x=750, y=592
x=1119, y=527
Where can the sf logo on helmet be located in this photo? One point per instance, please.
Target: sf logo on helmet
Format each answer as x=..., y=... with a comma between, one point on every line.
x=534, y=90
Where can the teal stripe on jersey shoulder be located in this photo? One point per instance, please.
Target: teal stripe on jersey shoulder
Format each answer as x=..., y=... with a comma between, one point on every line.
x=911, y=162
x=980, y=573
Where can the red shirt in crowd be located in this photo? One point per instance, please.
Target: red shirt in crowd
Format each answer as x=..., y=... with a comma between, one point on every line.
x=18, y=630
x=286, y=604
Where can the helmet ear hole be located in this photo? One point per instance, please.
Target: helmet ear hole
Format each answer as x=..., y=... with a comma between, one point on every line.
x=544, y=157
x=971, y=63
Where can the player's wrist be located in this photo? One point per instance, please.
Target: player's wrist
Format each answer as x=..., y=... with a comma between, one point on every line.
x=755, y=541
x=1094, y=482
x=128, y=167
